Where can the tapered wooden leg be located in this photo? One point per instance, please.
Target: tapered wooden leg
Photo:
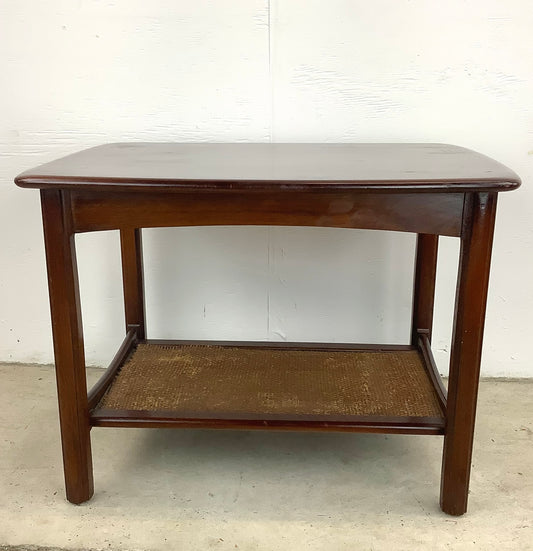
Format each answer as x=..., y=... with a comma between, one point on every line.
x=132, y=280
x=424, y=285
x=471, y=297
x=68, y=345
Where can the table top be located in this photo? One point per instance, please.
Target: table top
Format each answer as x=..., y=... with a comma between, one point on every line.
x=273, y=167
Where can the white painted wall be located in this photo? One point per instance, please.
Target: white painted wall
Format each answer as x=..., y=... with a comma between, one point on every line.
x=80, y=73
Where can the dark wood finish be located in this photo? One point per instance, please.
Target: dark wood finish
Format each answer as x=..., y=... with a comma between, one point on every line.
x=132, y=279
x=170, y=419
x=68, y=344
x=274, y=167
x=432, y=213
x=430, y=189
x=471, y=297
x=100, y=387
x=431, y=367
x=424, y=285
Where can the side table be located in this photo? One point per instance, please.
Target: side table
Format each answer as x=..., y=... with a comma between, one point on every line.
x=428, y=189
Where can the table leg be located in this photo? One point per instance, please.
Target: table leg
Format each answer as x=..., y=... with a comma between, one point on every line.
x=424, y=285
x=68, y=344
x=471, y=297
x=132, y=279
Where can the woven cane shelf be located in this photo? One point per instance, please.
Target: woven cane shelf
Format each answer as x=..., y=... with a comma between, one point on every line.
x=199, y=384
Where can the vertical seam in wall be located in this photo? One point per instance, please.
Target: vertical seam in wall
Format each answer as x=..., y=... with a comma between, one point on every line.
x=269, y=25
x=271, y=132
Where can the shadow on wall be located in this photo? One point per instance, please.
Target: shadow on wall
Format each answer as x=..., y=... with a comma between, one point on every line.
x=278, y=283
x=264, y=283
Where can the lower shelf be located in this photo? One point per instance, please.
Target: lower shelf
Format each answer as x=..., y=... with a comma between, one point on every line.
x=267, y=387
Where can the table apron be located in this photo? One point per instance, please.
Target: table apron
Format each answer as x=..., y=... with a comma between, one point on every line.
x=430, y=213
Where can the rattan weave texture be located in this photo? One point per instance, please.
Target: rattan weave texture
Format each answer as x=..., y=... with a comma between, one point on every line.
x=204, y=378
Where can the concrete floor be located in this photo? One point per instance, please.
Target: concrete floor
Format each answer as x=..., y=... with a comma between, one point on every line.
x=170, y=489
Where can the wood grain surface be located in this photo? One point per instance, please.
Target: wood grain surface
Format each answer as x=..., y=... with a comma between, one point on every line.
x=230, y=166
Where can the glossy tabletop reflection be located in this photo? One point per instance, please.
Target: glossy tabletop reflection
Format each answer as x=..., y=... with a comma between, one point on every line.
x=273, y=167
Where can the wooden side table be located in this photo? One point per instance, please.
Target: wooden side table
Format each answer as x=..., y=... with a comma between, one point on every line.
x=429, y=189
